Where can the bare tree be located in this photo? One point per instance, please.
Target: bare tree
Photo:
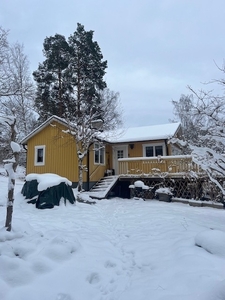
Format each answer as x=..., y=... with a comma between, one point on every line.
x=204, y=132
x=16, y=93
x=7, y=86
x=94, y=126
x=23, y=100
x=184, y=113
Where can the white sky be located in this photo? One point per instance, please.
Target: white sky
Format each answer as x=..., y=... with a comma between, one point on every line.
x=154, y=49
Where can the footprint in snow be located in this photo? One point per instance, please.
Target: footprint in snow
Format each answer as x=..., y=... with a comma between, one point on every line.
x=93, y=278
x=109, y=264
x=62, y=296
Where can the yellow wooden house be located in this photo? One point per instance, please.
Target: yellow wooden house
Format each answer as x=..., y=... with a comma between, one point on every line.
x=51, y=150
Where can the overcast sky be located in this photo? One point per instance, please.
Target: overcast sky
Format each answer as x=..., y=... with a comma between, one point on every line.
x=154, y=48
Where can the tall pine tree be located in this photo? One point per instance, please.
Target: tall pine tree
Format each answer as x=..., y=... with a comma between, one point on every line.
x=53, y=88
x=70, y=84
x=87, y=70
x=70, y=79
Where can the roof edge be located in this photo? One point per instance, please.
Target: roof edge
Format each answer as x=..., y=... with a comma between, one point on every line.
x=42, y=126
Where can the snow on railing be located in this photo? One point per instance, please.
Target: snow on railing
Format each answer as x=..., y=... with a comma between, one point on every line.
x=157, y=165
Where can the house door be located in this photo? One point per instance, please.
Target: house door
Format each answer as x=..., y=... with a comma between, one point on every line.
x=119, y=152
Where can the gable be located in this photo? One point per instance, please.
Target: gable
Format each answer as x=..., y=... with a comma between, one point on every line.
x=52, y=121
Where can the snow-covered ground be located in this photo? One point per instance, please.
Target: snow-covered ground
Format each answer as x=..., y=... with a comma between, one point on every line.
x=117, y=249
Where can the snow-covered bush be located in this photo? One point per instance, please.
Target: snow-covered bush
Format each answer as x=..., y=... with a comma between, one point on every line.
x=164, y=190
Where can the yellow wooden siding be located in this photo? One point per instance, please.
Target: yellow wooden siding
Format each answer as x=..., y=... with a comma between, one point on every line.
x=60, y=155
x=60, y=152
x=97, y=171
x=135, y=149
x=61, y=158
x=169, y=149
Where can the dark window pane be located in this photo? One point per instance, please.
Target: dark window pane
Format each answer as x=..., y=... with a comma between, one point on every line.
x=102, y=155
x=40, y=155
x=158, y=150
x=96, y=153
x=96, y=157
x=149, y=151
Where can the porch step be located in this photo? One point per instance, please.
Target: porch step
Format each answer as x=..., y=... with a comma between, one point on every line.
x=102, y=188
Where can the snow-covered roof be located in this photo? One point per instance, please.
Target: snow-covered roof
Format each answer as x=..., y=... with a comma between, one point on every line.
x=146, y=133
x=132, y=134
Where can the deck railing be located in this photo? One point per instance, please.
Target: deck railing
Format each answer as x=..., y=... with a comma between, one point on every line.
x=150, y=166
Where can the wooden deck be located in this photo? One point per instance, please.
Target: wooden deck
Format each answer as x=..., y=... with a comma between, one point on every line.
x=163, y=166
x=180, y=173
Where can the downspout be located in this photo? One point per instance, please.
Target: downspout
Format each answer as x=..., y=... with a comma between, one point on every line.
x=88, y=165
x=88, y=172
x=167, y=152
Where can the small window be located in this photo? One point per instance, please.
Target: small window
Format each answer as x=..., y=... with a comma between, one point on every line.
x=99, y=154
x=158, y=150
x=153, y=150
x=149, y=151
x=39, y=159
x=119, y=154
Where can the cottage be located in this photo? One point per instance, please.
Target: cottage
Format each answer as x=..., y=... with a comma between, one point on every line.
x=50, y=150
x=135, y=152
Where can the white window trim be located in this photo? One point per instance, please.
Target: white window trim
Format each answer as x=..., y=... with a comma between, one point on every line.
x=153, y=145
x=100, y=146
x=36, y=148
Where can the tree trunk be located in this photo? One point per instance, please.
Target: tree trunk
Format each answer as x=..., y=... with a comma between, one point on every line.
x=9, y=211
x=80, y=175
x=11, y=169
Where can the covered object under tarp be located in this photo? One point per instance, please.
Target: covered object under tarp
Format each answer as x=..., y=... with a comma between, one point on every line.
x=47, y=190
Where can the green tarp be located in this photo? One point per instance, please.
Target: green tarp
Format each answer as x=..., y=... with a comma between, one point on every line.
x=47, y=198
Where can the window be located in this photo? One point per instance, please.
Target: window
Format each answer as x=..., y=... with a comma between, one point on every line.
x=153, y=150
x=149, y=151
x=158, y=150
x=39, y=158
x=99, y=154
x=119, y=154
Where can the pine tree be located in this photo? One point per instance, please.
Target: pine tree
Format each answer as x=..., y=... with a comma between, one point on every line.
x=70, y=84
x=53, y=90
x=71, y=77
x=87, y=70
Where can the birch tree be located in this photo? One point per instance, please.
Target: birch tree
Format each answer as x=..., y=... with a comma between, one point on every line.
x=22, y=102
x=10, y=166
x=16, y=91
x=7, y=87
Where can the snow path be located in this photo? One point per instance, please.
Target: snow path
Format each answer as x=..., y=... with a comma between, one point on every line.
x=115, y=250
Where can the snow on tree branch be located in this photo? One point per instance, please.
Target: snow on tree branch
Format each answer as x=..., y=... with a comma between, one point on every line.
x=7, y=120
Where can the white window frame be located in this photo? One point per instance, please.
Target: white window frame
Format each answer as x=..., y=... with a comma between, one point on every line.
x=154, y=145
x=36, y=148
x=98, y=147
